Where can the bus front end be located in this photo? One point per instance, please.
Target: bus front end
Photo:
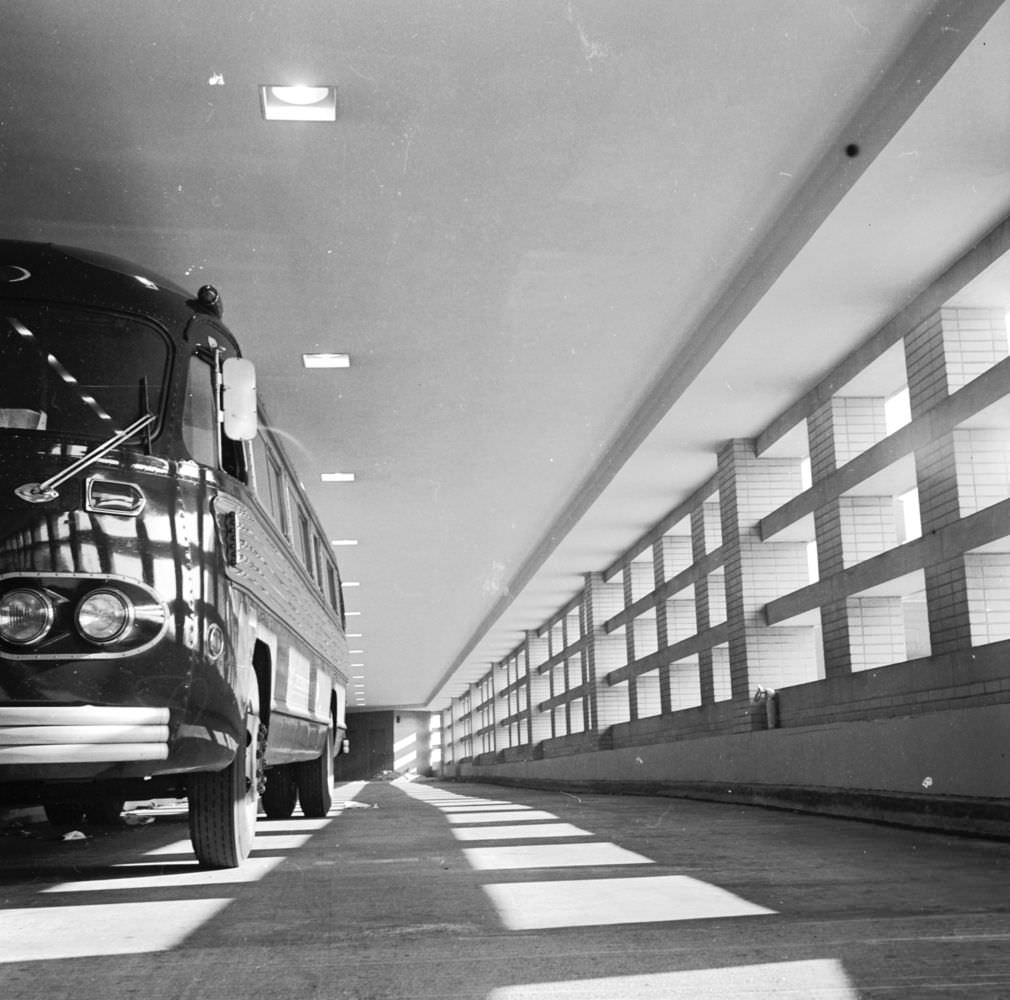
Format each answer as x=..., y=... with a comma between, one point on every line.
x=118, y=674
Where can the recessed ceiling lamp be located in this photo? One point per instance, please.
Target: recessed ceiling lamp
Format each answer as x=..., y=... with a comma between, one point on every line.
x=299, y=103
x=326, y=360
x=343, y=541
x=337, y=477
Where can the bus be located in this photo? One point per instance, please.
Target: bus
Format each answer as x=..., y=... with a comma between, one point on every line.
x=171, y=617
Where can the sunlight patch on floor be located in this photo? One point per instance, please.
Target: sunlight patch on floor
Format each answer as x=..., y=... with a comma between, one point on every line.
x=601, y=902
x=509, y=816
x=818, y=979
x=280, y=841
x=53, y=932
x=175, y=847
x=551, y=856
x=536, y=831
x=251, y=870
x=469, y=807
x=293, y=825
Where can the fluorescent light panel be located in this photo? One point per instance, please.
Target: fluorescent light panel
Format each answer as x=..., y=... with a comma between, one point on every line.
x=337, y=477
x=343, y=541
x=326, y=360
x=283, y=103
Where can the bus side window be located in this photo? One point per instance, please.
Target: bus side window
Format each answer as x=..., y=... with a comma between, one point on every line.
x=305, y=539
x=318, y=554
x=260, y=476
x=280, y=494
x=199, y=418
x=331, y=580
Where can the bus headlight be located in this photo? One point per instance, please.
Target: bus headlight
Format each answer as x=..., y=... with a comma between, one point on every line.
x=25, y=616
x=104, y=615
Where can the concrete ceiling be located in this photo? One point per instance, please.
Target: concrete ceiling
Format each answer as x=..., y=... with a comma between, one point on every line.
x=569, y=245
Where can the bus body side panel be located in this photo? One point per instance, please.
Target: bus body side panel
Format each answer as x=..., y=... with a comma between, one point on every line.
x=308, y=664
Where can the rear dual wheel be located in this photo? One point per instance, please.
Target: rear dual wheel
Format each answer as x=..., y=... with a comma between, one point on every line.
x=281, y=793
x=314, y=779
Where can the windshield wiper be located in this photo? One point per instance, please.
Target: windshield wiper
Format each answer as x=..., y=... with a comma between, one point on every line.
x=43, y=492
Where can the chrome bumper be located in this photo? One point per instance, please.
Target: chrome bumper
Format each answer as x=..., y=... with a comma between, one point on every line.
x=81, y=734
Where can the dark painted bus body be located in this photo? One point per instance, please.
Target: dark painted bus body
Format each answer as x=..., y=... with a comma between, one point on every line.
x=171, y=620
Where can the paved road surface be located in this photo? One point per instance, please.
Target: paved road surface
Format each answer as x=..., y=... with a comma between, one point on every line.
x=438, y=890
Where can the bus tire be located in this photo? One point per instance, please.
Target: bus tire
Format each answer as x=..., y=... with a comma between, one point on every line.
x=222, y=804
x=281, y=793
x=315, y=781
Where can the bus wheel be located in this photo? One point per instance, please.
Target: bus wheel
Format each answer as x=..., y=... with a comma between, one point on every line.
x=222, y=804
x=281, y=792
x=315, y=781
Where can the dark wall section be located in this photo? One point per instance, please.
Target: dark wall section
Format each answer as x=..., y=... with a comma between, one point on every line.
x=383, y=742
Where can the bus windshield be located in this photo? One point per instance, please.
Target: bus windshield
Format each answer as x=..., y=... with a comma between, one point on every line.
x=77, y=372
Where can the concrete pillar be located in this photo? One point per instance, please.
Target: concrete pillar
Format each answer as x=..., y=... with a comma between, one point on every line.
x=535, y=652
x=942, y=354
x=638, y=579
x=850, y=529
x=609, y=705
x=670, y=555
x=683, y=684
x=757, y=572
x=704, y=616
x=711, y=522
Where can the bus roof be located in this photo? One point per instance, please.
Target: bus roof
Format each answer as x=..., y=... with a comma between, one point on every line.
x=52, y=273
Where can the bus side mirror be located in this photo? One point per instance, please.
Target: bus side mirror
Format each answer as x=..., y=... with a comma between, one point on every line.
x=238, y=399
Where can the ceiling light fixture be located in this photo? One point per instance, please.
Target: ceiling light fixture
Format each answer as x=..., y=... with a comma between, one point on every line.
x=326, y=360
x=281, y=103
x=337, y=477
x=343, y=541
